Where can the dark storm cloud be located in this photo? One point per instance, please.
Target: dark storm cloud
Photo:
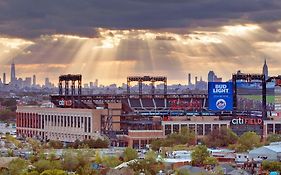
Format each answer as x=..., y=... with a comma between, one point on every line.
x=31, y=18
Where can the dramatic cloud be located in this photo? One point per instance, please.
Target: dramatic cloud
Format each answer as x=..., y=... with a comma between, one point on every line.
x=31, y=18
x=111, y=40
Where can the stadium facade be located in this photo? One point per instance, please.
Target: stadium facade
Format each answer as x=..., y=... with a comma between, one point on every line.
x=133, y=119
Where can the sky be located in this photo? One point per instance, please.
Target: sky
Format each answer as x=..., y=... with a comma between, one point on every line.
x=112, y=39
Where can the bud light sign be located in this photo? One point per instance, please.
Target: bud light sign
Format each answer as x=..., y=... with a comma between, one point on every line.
x=220, y=95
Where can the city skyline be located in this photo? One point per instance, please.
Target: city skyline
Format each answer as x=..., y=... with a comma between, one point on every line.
x=190, y=81
x=173, y=41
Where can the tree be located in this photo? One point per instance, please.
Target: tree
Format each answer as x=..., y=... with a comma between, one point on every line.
x=84, y=157
x=188, y=136
x=148, y=165
x=248, y=141
x=17, y=166
x=56, y=144
x=129, y=154
x=32, y=173
x=210, y=161
x=70, y=161
x=199, y=155
x=184, y=137
x=111, y=161
x=156, y=144
x=53, y=172
x=43, y=165
x=182, y=172
x=35, y=144
x=274, y=138
x=151, y=156
x=271, y=166
x=98, y=158
x=75, y=144
x=99, y=143
x=220, y=137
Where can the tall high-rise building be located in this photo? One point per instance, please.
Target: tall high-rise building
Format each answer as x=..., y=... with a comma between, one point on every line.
x=4, y=78
x=34, y=80
x=13, y=73
x=47, y=82
x=189, y=79
x=211, y=76
x=27, y=82
x=265, y=70
x=96, y=83
x=91, y=84
x=196, y=80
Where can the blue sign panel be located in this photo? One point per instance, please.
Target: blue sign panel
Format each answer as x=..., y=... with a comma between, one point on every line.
x=220, y=95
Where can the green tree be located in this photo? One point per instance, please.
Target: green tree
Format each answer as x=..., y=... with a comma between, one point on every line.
x=53, y=172
x=182, y=172
x=156, y=144
x=184, y=137
x=10, y=153
x=274, y=138
x=129, y=154
x=98, y=158
x=43, y=165
x=199, y=155
x=210, y=161
x=220, y=137
x=148, y=166
x=248, y=141
x=111, y=161
x=151, y=156
x=32, y=173
x=17, y=166
x=188, y=136
x=35, y=144
x=70, y=161
x=84, y=157
x=271, y=165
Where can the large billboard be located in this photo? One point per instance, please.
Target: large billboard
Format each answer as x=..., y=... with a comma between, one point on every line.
x=220, y=96
x=249, y=96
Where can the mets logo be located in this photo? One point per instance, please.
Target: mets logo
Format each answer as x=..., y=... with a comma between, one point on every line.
x=221, y=104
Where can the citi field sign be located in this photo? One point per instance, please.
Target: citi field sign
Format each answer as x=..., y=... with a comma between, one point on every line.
x=65, y=103
x=246, y=121
x=220, y=96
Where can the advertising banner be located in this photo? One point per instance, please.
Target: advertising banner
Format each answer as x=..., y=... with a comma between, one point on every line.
x=249, y=96
x=220, y=96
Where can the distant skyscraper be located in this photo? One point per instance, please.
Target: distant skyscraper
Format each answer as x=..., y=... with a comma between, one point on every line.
x=4, y=78
x=47, y=82
x=196, y=80
x=91, y=84
x=97, y=83
x=27, y=82
x=34, y=80
x=13, y=73
x=189, y=79
x=265, y=70
x=211, y=76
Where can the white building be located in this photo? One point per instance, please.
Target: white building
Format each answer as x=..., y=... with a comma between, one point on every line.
x=271, y=152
